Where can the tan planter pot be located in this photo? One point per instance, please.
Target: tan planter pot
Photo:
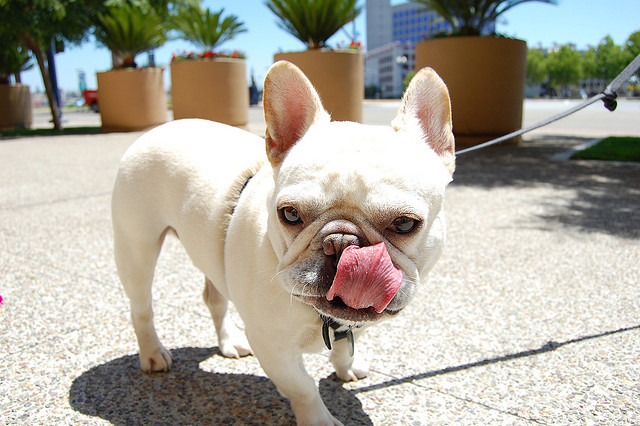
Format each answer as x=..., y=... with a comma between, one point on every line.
x=486, y=81
x=337, y=75
x=213, y=89
x=131, y=99
x=15, y=106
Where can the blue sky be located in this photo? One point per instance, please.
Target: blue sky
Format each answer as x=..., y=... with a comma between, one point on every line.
x=583, y=22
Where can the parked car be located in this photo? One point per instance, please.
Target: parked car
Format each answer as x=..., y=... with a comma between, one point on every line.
x=91, y=99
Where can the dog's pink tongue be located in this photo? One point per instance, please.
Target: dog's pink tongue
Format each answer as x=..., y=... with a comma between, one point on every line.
x=366, y=278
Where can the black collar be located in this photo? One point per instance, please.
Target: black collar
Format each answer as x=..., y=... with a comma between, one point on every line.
x=244, y=185
x=347, y=333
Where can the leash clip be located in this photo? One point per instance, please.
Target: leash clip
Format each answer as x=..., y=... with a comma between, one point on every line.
x=609, y=100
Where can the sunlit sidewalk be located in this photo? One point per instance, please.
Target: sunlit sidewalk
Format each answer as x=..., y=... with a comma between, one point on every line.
x=531, y=315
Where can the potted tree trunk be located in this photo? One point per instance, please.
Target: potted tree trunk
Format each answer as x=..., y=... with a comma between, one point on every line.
x=485, y=74
x=337, y=75
x=131, y=98
x=210, y=84
x=15, y=98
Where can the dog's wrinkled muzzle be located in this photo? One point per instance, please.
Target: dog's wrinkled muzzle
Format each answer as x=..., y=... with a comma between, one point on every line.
x=366, y=277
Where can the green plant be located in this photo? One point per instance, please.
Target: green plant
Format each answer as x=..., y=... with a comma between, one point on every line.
x=35, y=23
x=606, y=60
x=537, y=71
x=407, y=79
x=128, y=30
x=13, y=59
x=206, y=29
x=469, y=17
x=564, y=65
x=313, y=22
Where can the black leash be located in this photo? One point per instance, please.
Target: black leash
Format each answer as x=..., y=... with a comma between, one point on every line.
x=608, y=96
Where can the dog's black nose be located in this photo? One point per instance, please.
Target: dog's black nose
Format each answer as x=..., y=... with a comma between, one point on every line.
x=334, y=244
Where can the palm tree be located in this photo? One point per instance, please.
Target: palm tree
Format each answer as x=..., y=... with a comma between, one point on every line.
x=469, y=17
x=206, y=29
x=128, y=30
x=13, y=60
x=313, y=22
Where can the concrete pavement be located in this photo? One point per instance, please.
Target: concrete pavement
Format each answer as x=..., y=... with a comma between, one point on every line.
x=531, y=316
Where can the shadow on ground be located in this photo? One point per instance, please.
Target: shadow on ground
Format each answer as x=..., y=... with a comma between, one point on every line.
x=120, y=393
x=607, y=195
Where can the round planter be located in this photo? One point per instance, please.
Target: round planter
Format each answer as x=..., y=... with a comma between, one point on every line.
x=213, y=89
x=131, y=99
x=486, y=81
x=15, y=106
x=338, y=77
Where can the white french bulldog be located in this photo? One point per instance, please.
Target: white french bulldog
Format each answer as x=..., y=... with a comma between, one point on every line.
x=332, y=230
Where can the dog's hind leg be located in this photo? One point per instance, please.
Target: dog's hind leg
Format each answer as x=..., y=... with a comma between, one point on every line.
x=231, y=340
x=136, y=260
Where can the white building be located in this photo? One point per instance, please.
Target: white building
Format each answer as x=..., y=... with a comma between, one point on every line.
x=386, y=66
x=392, y=33
x=379, y=25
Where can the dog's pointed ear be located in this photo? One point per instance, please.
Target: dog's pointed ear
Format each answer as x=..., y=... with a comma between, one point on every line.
x=291, y=106
x=426, y=109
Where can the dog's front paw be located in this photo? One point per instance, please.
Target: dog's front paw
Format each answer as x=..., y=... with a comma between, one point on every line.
x=348, y=368
x=233, y=343
x=359, y=369
x=157, y=360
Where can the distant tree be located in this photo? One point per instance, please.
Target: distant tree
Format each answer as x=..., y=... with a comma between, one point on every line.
x=565, y=66
x=632, y=45
x=610, y=59
x=407, y=79
x=536, y=67
x=632, y=48
x=590, y=63
x=38, y=24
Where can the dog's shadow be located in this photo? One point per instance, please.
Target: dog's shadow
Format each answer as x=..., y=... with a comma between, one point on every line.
x=121, y=394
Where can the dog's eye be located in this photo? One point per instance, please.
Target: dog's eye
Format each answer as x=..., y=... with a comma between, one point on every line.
x=404, y=225
x=290, y=215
